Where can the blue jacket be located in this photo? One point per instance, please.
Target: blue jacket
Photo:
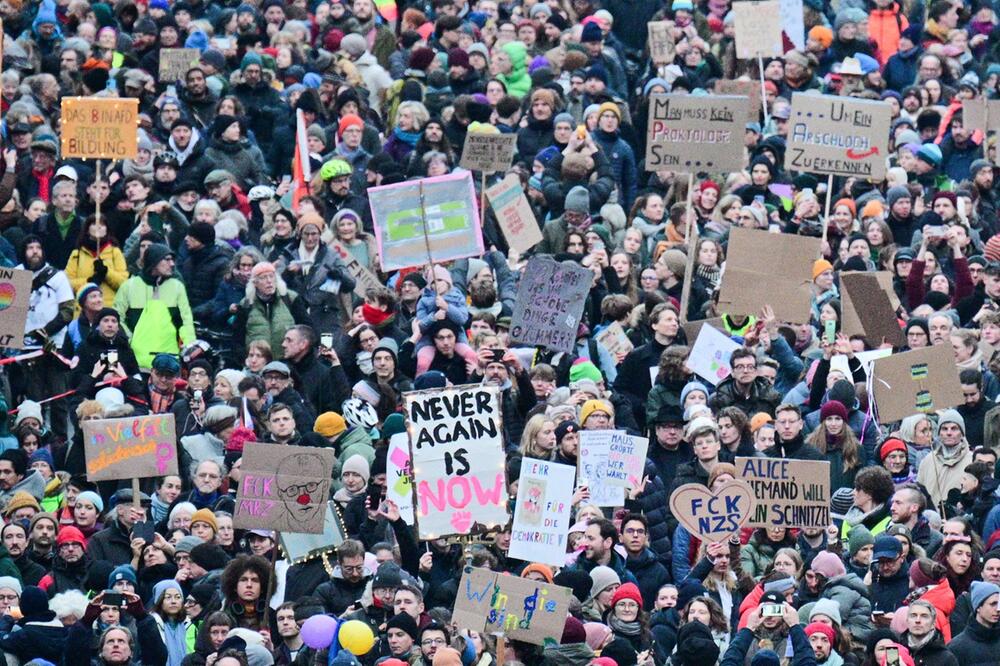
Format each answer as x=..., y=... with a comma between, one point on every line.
x=802, y=652
x=622, y=159
x=901, y=68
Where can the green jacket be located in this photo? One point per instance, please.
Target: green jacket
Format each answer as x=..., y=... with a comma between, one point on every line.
x=518, y=82
x=158, y=318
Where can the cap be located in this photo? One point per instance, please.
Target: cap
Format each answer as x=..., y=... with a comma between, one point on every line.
x=276, y=366
x=886, y=548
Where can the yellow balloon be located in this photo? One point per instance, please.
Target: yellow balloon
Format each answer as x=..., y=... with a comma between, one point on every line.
x=356, y=637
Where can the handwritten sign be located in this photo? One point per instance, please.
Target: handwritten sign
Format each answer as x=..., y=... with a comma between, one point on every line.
x=15, y=296
x=626, y=459
x=712, y=516
x=750, y=89
x=175, y=63
x=284, y=488
x=399, y=476
x=843, y=136
x=758, y=29
x=918, y=381
x=364, y=279
x=488, y=152
x=457, y=454
x=550, y=302
x=130, y=448
x=100, y=127
x=661, y=42
x=542, y=514
x=613, y=338
x=438, y=217
x=788, y=493
x=299, y=547
x=792, y=22
x=709, y=358
x=517, y=608
x=692, y=134
x=514, y=214
x=592, y=465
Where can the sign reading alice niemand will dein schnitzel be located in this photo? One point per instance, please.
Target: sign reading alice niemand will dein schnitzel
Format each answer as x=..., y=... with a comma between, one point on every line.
x=842, y=136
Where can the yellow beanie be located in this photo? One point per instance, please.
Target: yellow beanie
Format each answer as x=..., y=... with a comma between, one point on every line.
x=205, y=516
x=609, y=106
x=592, y=406
x=821, y=266
x=330, y=424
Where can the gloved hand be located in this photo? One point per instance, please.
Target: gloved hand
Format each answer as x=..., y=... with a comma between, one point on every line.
x=100, y=271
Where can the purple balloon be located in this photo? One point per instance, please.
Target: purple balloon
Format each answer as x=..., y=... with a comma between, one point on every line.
x=318, y=631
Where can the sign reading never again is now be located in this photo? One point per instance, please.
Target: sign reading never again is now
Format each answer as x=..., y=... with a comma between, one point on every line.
x=134, y=447
x=457, y=456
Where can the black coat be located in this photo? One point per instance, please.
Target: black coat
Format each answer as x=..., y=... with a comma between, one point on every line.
x=338, y=594
x=633, y=377
x=203, y=271
x=933, y=653
x=976, y=645
x=316, y=384
x=654, y=503
x=111, y=544
x=650, y=573
x=888, y=592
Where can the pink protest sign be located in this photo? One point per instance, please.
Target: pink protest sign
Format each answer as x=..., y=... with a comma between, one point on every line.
x=130, y=448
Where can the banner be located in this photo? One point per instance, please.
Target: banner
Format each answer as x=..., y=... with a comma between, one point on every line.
x=758, y=29
x=301, y=547
x=175, y=63
x=543, y=512
x=457, y=454
x=626, y=459
x=550, y=302
x=843, y=136
x=134, y=447
x=709, y=357
x=15, y=296
x=445, y=227
x=488, y=152
x=364, y=279
x=100, y=127
x=514, y=214
x=399, y=476
x=712, y=516
x=284, y=488
x=592, y=465
x=788, y=493
x=662, y=49
x=694, y=134
x=915, y=382
x=516, y=608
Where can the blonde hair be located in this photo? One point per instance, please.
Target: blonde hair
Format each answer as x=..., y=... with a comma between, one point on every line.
x=529, y=448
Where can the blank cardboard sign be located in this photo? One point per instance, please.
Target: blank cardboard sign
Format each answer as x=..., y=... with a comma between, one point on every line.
x=872, y=311
x=918, y=381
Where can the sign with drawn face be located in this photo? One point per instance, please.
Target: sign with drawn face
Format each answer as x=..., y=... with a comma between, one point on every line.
x=593, y=464
x=542, y=514
x=284, y=488
x=130, y=447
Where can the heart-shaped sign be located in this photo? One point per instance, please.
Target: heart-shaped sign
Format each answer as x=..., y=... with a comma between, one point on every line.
x=713, y=516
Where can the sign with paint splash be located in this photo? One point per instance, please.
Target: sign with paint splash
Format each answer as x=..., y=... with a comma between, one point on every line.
x=399, y=476
x=542, y=513
x=131, y=447
x=284, y=488
x=457, y=454
x=15, y=296
x=517, y=608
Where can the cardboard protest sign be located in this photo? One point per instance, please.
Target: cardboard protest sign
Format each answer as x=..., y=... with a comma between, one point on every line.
x=592, y=467
x=543, y=512
x=661, y=42
x=364, y=279
x=100, y=127
x=301, y=547
x=792, y=23
x=626, y=459
x=981, y=114
x=691, y=134
x=868, y=310
x=514, y=214
x=843, y=136
x=709, y=357
x=284, y=488
x=712, y=516
x=550, y=302
x=750, y=89
x=488, y=152
x=134, y=447
x=457, y=454
x=917, y=381
x=175, y=63
x=15, y=296
x=613, y=338
x=866, y=358
x=692, y=329
x=758, y=29
x=517, y=608
x=753, y=278
x=445, y=227
x=399, y=476
x=788, y=493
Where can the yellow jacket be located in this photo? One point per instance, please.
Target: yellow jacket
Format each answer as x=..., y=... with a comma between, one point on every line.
x=80, y=270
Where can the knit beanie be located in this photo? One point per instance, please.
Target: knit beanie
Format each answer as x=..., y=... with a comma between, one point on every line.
x=10, y=583
x=537, y=567
x=203, y=232
x=896, y=193
x=827, y=607
x=823, y=35
x=693, y=386
x=980, y=592
x=950, y=416
x=919, y=577
x=592, y=406
x=573, y=631
x=675, y=261
x=122, y=572
x=358, y=465
x=404, y=622
x=85, y=291
x=578, y=200
x=821, y=266
x=21, y=500
x=627, y=591
x=209, y=557
x=820, y=628
x=828, y=565
x=695, y=645
x=832, y=408
x=583, y=369
x=602, y=578
x=447, y=656
x=205, y=516
x=330, y=424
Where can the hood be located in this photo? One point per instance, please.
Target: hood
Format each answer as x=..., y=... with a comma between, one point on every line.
x=518, y=53
x=849, y=580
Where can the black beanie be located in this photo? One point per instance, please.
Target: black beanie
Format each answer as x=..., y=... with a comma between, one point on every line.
x=404, y=622
x=203, y=232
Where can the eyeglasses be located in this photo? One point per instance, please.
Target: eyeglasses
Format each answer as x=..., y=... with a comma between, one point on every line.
x=636, y=531
x=745, y=367
x=349, y=569
x=433, y=641
x=191, y=602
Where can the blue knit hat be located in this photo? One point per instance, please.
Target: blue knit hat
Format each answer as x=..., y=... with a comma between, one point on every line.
x=980, y=592
x=122, y=572
x=85, y=290
x=251, y=58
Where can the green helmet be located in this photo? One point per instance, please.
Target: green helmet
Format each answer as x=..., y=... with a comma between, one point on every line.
x=335, y=168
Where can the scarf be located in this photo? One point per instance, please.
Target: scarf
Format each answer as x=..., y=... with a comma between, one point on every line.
x=44, y=179
x=160, y=401
x=160, y=509
x=347, y=153
x=307, y=257
x=711, y=273
x=130, y=168
x=374, y=316
x=182, y=155
x=409, y=138
x=938, y=32
x=917, y=643
x=833, y=442
x=624, y=628
x=203, y=501
x=174, y=636
x=974, y=362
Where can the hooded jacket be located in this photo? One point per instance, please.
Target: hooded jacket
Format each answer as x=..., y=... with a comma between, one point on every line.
x=518, y=82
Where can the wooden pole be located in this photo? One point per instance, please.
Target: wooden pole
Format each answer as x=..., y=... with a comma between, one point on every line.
x=482, y=201
x=423, y=223
x=135, y=494
x=97, y=183
x=826, y=216
x=763, y=93
x=692, y=238
x=501, y=649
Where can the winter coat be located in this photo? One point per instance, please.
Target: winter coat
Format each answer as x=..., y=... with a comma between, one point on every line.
x=939, y=476
x=888, y=592
x=851, y=593
x=37, y=639
x=633, y=377
x=623, y=165
x=600, y=183
x=112, y=544
x=518, y=82
x=263, y=106
x=567, y=654
x=650, y=573
x=203, y=271
x=337, y=594
x=258, y=319
x=240, y=158
x=744, y=640
x=654, y=504
x=156, y=314
x=761, y=398
x=80, y=270
x=977, y=645
x=932, y=653
x=321, y=286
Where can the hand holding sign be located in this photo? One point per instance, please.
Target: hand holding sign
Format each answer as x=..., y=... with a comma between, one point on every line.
x=712, y=516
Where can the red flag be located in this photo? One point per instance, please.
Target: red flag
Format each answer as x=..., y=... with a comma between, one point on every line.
x=300, y=164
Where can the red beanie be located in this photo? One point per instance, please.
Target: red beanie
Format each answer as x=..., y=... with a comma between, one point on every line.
x=347, y=121
x=627, y=591
x=573, y=631
x=70, y=534
x=833, y=408
x=709, y=185
x=890, y=445
x=820, y=628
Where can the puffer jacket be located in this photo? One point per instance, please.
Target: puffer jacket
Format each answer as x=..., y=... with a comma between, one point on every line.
x=650, y=573
x=203, y=271
x=518, y=82
x=80, y=270
x=851, y=593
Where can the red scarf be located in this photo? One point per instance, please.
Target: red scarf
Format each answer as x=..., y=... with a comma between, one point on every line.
x=374, y=316
x=44, y=181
